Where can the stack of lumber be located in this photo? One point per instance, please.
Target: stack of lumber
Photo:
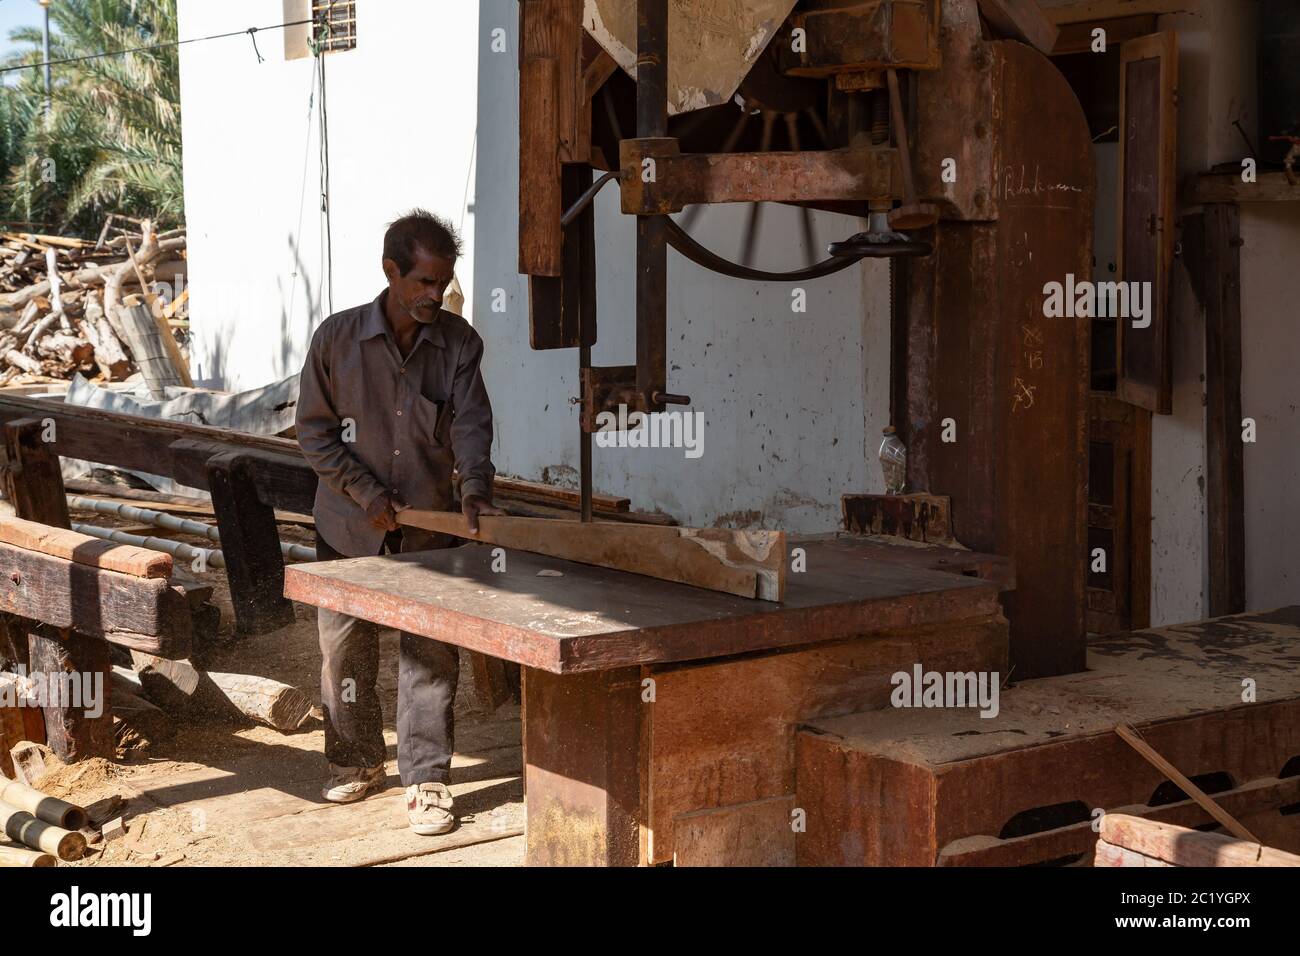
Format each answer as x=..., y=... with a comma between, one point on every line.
x=40, y=829
x=71, y=305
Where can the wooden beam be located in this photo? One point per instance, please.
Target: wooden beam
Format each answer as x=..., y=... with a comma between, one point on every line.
x=1077, y=37
x=1225, y=465
x=32, y=477
x=746, y=563
x=99, y=603
x=682, y=179
x=1022, y=19
x=1228, y=188
x=1074, y=11
x=1203, y=799
x=83, y=549
x=250, y=542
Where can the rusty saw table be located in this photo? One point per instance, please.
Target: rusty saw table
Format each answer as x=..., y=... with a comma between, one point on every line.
x=652, y=707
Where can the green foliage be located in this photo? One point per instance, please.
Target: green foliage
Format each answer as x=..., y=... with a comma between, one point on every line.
x=112, y=143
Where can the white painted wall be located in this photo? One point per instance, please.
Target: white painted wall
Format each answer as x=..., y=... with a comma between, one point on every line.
x=793, y=403
x=1270, y=394
x=1217, y=86
x=402, y=112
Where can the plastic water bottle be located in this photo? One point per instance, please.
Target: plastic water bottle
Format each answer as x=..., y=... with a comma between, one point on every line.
x=893, y=462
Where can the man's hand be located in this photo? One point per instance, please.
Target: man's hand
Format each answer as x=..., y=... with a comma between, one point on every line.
x=382, y=513
x=474, y=505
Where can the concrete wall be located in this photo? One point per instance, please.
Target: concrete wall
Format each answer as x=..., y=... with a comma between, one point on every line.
x=402, y=109
x=793, y=403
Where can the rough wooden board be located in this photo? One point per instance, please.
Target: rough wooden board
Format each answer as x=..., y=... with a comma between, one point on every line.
x=747, y=563
x=591, y=618
x=747, y=834
x=1179, y=846
x=869, y=550
x=723, y=733
x=83, y=549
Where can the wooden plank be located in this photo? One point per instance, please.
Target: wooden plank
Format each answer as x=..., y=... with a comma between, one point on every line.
x=745, y=563
x=1257, y=800
x=83, y=549
x=1228, y=188
x=535, y=490
x=760, y=833
x=590, y=618
x=65, y=594
x=1179, y=846
x=1225, y=819
x=1224, y=454
x=1073, y=11
x=1022, y=19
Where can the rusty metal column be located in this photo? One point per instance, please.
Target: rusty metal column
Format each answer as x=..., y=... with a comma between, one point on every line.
x=651, y=231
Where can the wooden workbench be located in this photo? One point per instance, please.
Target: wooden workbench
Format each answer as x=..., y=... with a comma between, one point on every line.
x=649, y=704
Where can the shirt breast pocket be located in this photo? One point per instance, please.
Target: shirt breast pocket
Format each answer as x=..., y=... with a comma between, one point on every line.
x=432, y=420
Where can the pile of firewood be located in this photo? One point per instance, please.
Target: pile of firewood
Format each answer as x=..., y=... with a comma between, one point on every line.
x=73, y=305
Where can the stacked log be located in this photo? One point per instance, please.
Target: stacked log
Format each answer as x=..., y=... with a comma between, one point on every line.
x=62, y=302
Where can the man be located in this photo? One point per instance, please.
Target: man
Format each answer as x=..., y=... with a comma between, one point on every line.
x=391, y=397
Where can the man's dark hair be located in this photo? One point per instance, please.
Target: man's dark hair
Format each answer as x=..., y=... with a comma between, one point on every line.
x=420, y=228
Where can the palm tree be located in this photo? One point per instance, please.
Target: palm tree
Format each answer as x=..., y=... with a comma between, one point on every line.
x=112, y=142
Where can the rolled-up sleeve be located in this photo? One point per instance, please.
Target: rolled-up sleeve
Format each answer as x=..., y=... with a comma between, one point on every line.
x=471, y=426
x=320, y=430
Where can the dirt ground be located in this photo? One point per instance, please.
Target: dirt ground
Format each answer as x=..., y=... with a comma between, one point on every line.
x=226, y=794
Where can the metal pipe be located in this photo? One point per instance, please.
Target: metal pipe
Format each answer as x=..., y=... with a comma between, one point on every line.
x=574, y=211
x=172, y=523
x=652, y=231
x=206, y=558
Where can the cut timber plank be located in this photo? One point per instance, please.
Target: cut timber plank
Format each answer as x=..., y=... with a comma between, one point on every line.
x=1022, y=19
x=1179, y=846
x=83, y=549
x=745, y=563
x=916, y=517
x=96, y=602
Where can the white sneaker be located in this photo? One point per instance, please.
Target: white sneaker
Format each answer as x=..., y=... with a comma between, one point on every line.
x=350, y=784
x=428, y=807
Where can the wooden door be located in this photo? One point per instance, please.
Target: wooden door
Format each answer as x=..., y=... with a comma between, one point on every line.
x=1147, y=169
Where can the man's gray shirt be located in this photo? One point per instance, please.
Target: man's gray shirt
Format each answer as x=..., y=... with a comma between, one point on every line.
x=370, y=423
